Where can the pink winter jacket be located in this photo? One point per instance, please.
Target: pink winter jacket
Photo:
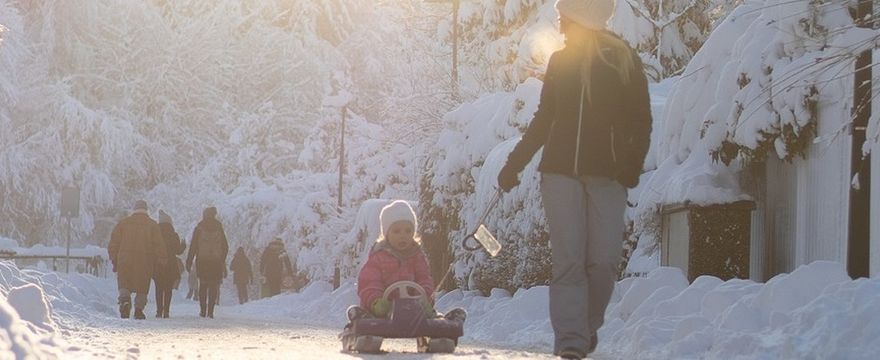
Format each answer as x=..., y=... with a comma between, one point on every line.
x=386, y=266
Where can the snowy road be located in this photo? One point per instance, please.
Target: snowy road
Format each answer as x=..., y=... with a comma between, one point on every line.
x=236, y=336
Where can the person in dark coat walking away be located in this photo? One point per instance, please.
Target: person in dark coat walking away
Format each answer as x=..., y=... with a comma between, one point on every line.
x=135, y=248
x=274, y=265
x=209, y=249
x=241, y=274
x=166, y=276
x=594, y=123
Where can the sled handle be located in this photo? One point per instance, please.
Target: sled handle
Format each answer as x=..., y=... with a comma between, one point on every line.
x=472, y=239
x=404, y=287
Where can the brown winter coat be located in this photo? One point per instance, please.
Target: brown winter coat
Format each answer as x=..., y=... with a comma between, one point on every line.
x=168, y=274
x=136, y=247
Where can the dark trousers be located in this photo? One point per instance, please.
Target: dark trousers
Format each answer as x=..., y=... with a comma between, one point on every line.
x=242, y=293
x=163, y=298
x=274, y=286
x=208, y=294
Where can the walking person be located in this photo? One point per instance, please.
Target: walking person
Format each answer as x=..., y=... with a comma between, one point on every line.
x=594, y=123
x=241, y=274
x=135, y=248
x=209, y=249
x=274, y=264
x=166, y=276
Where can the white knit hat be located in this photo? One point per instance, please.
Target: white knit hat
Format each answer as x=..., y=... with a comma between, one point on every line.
x=397, y=211
x=591, y=14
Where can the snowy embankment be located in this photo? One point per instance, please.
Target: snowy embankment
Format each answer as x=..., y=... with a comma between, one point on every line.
x=815, y=312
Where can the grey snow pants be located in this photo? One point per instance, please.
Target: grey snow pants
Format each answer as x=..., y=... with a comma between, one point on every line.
x=585, y=217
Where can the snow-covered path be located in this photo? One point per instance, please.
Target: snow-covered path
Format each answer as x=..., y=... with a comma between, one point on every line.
x=237, y=336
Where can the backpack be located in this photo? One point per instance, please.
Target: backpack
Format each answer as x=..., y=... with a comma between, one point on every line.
x=211, y=244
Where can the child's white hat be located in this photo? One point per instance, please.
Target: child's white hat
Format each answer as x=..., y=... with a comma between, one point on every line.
x=399, y=210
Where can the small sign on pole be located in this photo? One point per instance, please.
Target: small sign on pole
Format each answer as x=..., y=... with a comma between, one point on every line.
x=69, y=209
x=70, y=202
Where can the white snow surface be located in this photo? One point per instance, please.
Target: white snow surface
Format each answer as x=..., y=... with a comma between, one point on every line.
x=817, y=311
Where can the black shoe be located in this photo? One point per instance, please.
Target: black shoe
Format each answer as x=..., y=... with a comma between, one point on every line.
x=571, y=354
x=125, y=309
x=457, y=314
x=139, y=314
x=202, y=313
x=165, y=315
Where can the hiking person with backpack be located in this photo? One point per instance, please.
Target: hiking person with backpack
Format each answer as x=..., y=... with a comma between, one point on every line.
x=135, y=248
x=209, y=249
x=166, y=276
x=594, y=123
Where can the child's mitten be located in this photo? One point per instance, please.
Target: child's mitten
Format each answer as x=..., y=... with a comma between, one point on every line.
x=380, y=307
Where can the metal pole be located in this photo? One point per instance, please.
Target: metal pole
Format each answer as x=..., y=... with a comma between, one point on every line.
x=455, y=35
x=341, y=157
x=67, y=265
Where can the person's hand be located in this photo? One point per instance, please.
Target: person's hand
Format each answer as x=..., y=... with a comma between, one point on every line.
x=114, y=265
x=628, y=178
x=508, y=178
x=380, y=307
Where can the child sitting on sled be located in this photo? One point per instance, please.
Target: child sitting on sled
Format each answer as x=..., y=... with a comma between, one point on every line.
x=396, y=256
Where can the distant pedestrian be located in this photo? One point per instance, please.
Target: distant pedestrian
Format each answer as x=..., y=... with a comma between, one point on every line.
x=166, y=276
x=241, y=274
x=136, y=246
x=209, y=249
x=274, y=265
x=594, y=124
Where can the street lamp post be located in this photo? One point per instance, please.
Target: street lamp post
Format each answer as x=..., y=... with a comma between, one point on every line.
x=455, y=38
x=341, y=158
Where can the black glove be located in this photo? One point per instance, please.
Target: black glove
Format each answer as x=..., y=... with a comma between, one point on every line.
x=628, y=178
x=508, y=177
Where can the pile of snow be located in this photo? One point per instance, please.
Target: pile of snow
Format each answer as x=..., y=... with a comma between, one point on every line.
x=26, y=325
x=817, y=311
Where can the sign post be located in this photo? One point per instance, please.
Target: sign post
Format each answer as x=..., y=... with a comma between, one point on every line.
x=69, y=209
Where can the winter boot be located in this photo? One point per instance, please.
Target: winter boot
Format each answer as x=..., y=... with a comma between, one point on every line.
x=125, y=309
x=139, y=314
x=367, y=344
x=355, y=312
x=457, y=314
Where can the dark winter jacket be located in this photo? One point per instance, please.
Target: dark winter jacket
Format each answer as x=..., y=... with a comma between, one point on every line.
x=614, y=127
x=210, y=266
x=135, y=249
x=275, y=263
x=241, y=268
x=169, y=273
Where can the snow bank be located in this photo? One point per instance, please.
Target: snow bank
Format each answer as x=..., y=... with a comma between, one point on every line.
x=817, y=311
x=27, y=326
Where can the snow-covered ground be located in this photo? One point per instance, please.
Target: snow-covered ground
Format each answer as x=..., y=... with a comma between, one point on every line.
x=814, y=312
